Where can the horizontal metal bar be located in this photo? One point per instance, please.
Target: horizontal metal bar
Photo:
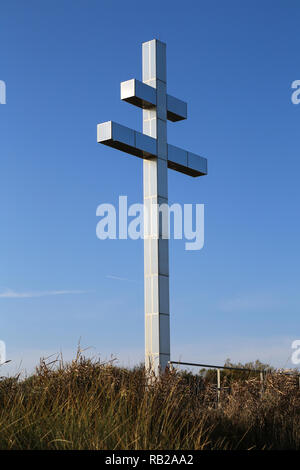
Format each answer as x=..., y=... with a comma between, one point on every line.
x=122, y=138
x=138, y=93
x=229, y=368
x=141, y=145
x=186, y=162
x=214, y=367
x=144, y=96
x=176, y=109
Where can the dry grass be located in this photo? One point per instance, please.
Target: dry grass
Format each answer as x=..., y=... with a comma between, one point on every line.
x=90, y=405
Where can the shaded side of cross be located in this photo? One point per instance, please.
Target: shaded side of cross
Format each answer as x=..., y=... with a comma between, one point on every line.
x=151, y=145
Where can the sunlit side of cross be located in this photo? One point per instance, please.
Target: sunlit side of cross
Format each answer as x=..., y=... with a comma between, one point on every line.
x=151, y=145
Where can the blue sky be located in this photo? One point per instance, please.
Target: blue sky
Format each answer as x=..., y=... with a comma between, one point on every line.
x=233, y=62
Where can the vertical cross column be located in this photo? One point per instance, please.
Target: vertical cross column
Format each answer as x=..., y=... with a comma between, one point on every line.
x=156, y=248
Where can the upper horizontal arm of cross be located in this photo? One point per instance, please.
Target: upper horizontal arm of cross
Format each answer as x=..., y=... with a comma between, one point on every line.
x=144, y=96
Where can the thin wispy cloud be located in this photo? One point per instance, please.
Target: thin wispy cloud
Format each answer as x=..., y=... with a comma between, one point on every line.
x=12, y=294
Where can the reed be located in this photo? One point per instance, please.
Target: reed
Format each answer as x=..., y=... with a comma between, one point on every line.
x=87, y=404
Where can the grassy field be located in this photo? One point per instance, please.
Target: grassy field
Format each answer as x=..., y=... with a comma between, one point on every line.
x=89, y=405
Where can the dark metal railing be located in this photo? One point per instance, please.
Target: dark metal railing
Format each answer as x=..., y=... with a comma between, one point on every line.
x=216, y=367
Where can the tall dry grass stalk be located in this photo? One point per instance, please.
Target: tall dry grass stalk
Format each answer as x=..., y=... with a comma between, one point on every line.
x=92, y=405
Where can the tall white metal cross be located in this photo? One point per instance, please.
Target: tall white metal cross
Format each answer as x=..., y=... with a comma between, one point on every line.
x=151, y=145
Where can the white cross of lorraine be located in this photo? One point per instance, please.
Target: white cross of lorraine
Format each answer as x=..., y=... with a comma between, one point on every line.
x=151, y=145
